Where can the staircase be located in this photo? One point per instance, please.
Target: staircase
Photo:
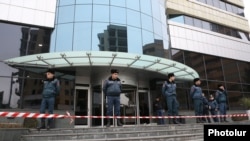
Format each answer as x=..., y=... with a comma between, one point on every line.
x=172, y=132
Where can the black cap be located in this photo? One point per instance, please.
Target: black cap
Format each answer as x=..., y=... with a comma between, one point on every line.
x=170, y=75
x=51, y=71
x=196, y=79
x=220, y=85
x=114, y=71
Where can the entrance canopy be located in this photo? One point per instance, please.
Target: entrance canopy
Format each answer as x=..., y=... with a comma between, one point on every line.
x=104, y=58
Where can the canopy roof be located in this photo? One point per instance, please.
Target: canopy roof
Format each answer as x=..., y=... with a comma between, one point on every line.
x=104, y=58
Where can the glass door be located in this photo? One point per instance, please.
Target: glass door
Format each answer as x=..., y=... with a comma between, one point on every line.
x=144, y=106
x=129, y=107
x=82, y=106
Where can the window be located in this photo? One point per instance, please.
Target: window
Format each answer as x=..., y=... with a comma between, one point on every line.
x=197, y=23
x=189, y=20
x=223, y=5
x=205, y=25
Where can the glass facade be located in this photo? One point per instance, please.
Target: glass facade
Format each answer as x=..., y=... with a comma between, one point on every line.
x=131, y=26
x=20, y=40
x=215, y=70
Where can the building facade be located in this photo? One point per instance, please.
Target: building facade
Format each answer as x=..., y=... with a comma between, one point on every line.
x=213, y=38
x=83, y=39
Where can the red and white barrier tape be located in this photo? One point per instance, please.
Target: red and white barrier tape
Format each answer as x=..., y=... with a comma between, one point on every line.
x=68, y=115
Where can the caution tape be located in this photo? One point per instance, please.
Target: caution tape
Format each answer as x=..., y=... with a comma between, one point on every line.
x=72, y=117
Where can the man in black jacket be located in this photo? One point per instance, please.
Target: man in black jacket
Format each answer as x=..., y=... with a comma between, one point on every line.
x=159, y=110
x=221, y=98
x=51, y=88
x=169, y=92
x=112, y=89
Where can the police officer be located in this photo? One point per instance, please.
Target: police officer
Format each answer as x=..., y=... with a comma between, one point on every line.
x=169, y=92
x=51, y=89
x=221, y=98
x=112, y=89
x=196, y=95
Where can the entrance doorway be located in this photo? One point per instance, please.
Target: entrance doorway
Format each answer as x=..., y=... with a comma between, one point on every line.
x=134, y=103
x=82, y=106
x=129, y=107
x=144, y=106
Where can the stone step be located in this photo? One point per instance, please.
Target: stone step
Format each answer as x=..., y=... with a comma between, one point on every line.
x=114, y=129
x=182, y=137
x=175, y=137
x=117, y=133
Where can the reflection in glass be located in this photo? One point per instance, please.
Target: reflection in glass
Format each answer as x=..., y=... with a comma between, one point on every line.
x=244, y=69
x=157, y=29
x=177, y=18
x=146, y=7
x=133, y=18
x=64, y=41
x=106, y=2
x=156, y=10
x=66, y=14
x=213, y=68
x=82, y=40
x=100, y=13
x=195, y=61
x=96, y=30
x=120, y=3
x=83, y=13
x=134, y=40
x=114, y=38
x=117, y=15
x=230, y=70
x=133, y=4
x=83, y=1
x=155, y=49
x=147, y=22
x=147, y=37
x=234, y=99
x=67, y=2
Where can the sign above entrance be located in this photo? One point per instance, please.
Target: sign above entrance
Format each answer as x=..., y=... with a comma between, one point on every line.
x=104, y=58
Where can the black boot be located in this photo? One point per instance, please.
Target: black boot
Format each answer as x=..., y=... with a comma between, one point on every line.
x=202, y=121
x=170, y=121
x=221, y=119
x=49, y=123
x=119, y=122
x=42, y=125
x=108, y=123
x=175, y=121
x=198, y=120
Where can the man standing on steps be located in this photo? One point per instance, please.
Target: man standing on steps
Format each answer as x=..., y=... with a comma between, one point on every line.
x=221, y=98
x=112, y=89
x=169, y=92
x=51, y=88
x=196, y=95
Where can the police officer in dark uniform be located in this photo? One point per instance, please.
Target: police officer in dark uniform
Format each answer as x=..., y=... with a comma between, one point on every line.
x=169, y=92
x=196, y=95
x=221, y=98
x=112, y=89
